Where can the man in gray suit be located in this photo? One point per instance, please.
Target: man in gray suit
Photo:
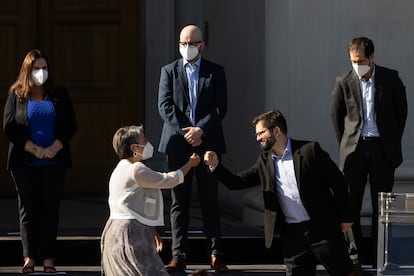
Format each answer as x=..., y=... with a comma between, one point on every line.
x=368, y=112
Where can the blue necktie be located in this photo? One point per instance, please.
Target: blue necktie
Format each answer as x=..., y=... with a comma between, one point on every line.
x=192, y=85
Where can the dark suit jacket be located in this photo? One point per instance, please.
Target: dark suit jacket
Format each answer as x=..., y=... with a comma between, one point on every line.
x=390, y=105
x=16, y=128
x=321, y=185
x=174, y=106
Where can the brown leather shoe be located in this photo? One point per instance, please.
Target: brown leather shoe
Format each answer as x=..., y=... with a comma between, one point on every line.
x=176, y=264
x=217, y=263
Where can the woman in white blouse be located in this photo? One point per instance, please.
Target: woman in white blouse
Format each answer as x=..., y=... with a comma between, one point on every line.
x=129, y=243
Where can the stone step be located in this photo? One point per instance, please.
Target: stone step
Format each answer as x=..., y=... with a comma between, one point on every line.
x=240, y=244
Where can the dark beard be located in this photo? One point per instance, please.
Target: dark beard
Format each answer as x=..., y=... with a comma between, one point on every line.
x=268, y=143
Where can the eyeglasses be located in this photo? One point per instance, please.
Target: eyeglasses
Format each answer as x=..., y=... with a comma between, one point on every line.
x=260, y=133
x=191, y=44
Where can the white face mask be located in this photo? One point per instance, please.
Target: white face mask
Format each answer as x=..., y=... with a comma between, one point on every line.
x=148, y=151
x=361, y=70
x=189, y=52
x=39, y=77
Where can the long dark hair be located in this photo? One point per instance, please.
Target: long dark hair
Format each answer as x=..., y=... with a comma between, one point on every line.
x=24, y=84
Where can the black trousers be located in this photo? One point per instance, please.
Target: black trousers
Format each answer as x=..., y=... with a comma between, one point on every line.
x=39, y=191
x=207, y=186
x=368, y=162
x=302, y=253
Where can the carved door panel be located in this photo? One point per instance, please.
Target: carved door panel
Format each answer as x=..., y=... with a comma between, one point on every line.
x=17, y=34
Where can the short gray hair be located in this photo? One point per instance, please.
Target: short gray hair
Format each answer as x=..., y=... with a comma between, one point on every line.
x=124, y=138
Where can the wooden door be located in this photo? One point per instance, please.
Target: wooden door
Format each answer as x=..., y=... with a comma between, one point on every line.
x=94, y=51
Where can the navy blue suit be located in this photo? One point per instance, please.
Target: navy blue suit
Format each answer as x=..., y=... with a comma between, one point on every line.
x=174, y=109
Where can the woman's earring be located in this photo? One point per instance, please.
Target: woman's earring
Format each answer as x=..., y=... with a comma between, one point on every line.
x=135, y=154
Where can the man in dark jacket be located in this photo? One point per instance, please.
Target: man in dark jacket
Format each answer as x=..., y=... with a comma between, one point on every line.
x=368, y=112
x=192, y=102
x=305, y=197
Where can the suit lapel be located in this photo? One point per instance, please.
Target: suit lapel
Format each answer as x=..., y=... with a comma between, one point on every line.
x=379, y=87
x=270, y=167
x=201, y=78
x=183, y=77
x=297, y=157
x=355, y=88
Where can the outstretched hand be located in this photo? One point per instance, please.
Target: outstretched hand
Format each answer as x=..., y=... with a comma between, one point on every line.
x=210, y=158
x=194, y=159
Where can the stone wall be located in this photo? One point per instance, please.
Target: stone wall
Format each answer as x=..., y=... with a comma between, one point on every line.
x=284, y=55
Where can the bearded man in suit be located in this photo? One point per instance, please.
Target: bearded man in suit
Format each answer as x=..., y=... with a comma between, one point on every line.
x=305, y=197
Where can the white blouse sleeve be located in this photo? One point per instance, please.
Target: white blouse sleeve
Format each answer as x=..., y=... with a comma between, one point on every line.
x=148, y=178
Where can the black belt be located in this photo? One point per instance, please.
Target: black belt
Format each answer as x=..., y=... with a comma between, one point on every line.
x=370, y=138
